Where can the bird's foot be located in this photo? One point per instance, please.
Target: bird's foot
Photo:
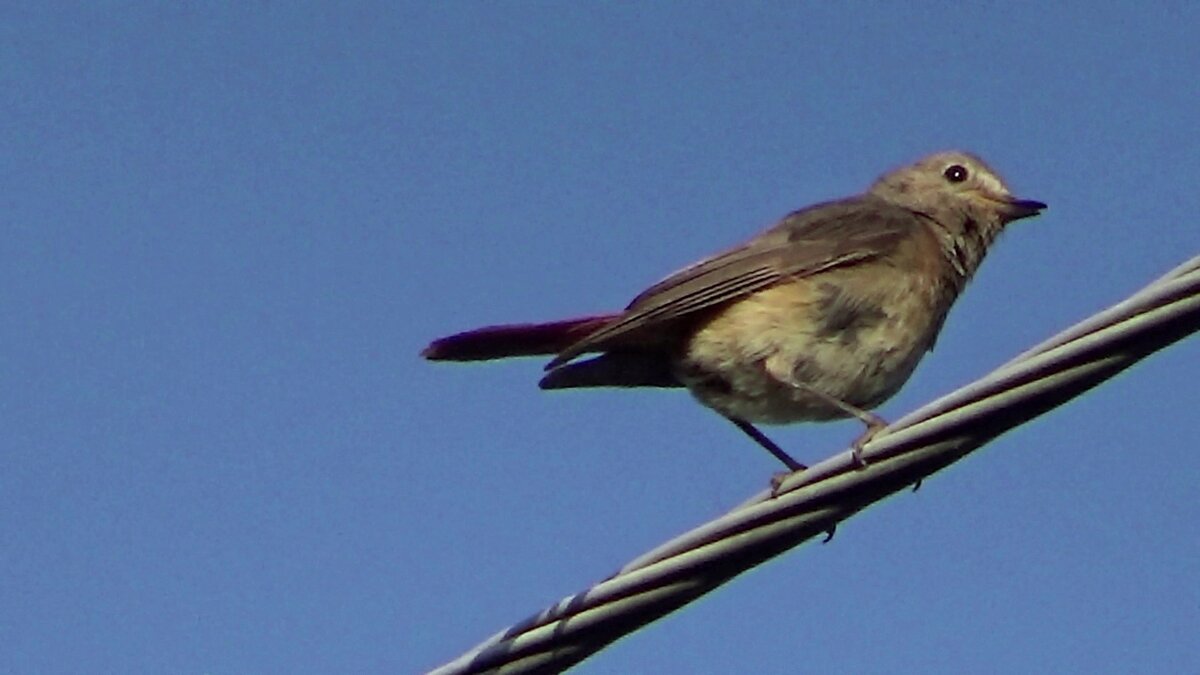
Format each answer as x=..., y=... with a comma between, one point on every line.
x=777, y=482
x=875, y=424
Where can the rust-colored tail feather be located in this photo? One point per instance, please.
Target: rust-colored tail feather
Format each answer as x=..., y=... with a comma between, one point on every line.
x=520, y=339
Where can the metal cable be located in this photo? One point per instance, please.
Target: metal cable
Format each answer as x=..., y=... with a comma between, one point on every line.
x=813, y=502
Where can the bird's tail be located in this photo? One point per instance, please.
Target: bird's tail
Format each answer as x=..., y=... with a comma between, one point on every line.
x=518, y=339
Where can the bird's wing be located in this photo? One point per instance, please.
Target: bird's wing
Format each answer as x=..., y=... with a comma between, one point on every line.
x=804, y=243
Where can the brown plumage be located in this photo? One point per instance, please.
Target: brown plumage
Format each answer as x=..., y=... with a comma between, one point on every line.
x=823, y=316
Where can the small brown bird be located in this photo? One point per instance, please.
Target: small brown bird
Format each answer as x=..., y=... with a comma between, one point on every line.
x=823, y=316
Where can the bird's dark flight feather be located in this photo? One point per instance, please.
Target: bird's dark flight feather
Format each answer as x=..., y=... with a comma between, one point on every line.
x=806, y=242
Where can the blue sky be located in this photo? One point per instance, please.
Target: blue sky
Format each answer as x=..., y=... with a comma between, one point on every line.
x=228, y=232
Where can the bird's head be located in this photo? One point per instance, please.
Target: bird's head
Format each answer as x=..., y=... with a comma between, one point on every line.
x=954, y=188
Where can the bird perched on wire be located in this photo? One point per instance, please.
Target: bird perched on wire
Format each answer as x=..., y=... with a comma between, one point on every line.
x=823, y=316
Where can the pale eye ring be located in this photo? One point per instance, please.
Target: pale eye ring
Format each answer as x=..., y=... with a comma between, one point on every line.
x=955, y=173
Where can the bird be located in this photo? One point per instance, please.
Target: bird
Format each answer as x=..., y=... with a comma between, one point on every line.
x=823, y=316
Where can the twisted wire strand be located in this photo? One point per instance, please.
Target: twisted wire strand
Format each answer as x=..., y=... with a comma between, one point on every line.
x=812, y=502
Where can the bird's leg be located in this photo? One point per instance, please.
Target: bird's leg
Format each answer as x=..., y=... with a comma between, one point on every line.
x=770, y=445
x=773, y=448
x=874, y=422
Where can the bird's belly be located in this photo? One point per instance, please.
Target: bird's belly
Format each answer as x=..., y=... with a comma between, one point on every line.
x=760, y=359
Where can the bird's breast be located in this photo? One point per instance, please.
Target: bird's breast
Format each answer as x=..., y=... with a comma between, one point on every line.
x=855, y=334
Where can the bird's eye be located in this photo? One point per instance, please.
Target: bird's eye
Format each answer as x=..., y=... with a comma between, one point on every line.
x=955, y=173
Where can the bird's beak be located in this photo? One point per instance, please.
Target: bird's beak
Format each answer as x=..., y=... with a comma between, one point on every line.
x=1015, y=209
